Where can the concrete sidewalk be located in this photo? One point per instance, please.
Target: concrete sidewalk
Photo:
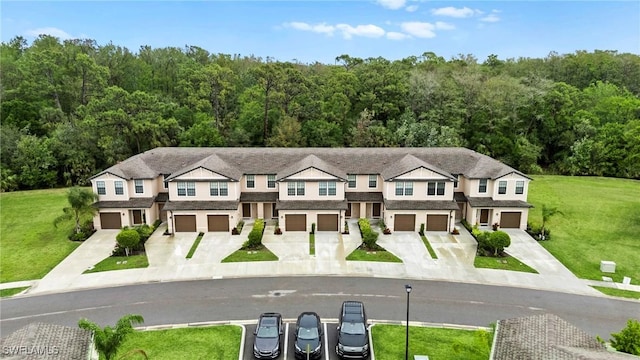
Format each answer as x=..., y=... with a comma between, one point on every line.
x=167, y=261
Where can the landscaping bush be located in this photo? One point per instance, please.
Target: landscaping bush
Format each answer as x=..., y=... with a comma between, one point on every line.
x=482, y=238
x=255, y=236
x=313, y=228
x=369, y=237
x=156, y=224
x=421, y=230
x=466, y=225
x=498, y=240
x=144, y=231
x=535, y=231
x=128, y=238
x=86, y=230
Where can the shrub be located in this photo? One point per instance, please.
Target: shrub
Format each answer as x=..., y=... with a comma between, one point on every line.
x=128, y=238
x=144, y=231
x=483, y=240
x=255, y=236
x=498, y=240
x=313, y=228
x=628, y=339
x=156, y=224
x=422, y=229
x=369, y=237
x=240, y=225
x=466, y=225
x=535, y=231
x=346, y=227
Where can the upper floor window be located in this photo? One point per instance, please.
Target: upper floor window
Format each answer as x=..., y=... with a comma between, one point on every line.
x=482, y=186
x=435, y=188
x=295, y=188
x=404, y=188
x=271, y=181
x=373, y=181
x=139, y=186
x=502, y=187
x=218, y=188
x=119, y=187
x=186, y=188
x=520, y=187
x=251, y=181
x=352, y=180
x=165, y=182
x=455, y=182
x=327, y=188
x=102, y=190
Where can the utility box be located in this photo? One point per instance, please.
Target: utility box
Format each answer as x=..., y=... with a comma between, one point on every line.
x=607, y=266
x=420, y=357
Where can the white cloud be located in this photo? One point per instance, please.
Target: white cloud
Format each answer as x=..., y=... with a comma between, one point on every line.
x=490, y=18
x=419, y=29
x=392, y=4
x=392, y=35
x=455, y=12
x=63, y=35
x=321, y=28
x=411, y=8
x=441, y=25
x=372, y=31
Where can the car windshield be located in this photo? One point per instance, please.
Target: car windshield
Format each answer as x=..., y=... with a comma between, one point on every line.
x=267, y=332
x=352, y=328
x=307, y=333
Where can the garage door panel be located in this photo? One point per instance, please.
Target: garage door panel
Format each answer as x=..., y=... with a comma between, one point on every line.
x=218, y=222
x=510, y=220
x=327, y=222
x=296, y=223
x=185, y=223
x=404, y=222
x=437, y=222
x=110, y=220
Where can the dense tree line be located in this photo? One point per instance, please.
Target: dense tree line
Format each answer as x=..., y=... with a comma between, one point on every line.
x=74, y=107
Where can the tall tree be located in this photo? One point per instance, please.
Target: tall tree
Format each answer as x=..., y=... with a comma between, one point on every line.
x=108, y=339
x=80, y=205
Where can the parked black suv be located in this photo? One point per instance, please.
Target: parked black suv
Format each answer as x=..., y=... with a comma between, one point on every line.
x=353, y=334
x=308, y=336
x=269, y=330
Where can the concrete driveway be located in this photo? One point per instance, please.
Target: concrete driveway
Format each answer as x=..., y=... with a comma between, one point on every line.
x=528, y=250
x=453, y=250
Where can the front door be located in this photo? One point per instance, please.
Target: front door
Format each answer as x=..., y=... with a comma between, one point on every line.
x=348, y=212
x=484, y=216
x=376, y=210
x=137, y=217
x=246, y=210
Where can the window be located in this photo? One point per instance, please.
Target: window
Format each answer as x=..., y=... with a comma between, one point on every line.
x=352, y=180
x=482, y=186
x=435, y=188
x=186, y=188
x=165, y=182
x=295, y=188
x=101, y=189
x=139, y=186
x=327, y=188
x=271, y=181
x=251, y=181
x=404, y=188
x=218, y=188
x=520, y=187
x=455, y=182
x=502, y=187
x=373, y=181
x=119, y=187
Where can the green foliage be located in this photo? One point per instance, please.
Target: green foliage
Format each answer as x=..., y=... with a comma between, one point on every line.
x=369, y=237
x=108, y=340
x=81, y=206
x=498, y=240
x=628, y=339
x=128, y=238
x=313, y=228
x=421, y=229
x=255, y=236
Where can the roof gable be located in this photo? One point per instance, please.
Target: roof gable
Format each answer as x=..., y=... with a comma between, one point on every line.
x=409, y=163
x=311, y=162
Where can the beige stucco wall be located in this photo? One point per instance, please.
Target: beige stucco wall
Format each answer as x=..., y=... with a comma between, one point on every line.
x=312, y=217
x=260, y=184
x=362, y=184
x=473, y=215
x=109, y=183
x=419, y=191
x=511, y=180
x=202, y=178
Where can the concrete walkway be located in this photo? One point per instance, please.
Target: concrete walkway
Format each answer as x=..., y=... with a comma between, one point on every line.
x=168, y=262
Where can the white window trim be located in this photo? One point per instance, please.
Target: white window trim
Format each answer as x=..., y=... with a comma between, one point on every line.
x=352, y=178
x=103, y=187
x=269, y=180
x=521, y=187
x=500, y=183
x=135, y=185
x=252, y=178
x=375, y=181
x=115, y=187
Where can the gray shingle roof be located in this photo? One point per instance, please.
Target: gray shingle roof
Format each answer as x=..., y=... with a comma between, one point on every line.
x=311, y=205
x=409, y=163
x=420, y=205
x=258, y=197
x=547, y=336
x=141, y=203
x=336, y=161
x=363, y=196
x=47, y=341
x=201, y=205
x=489, y=202
x=212, y=163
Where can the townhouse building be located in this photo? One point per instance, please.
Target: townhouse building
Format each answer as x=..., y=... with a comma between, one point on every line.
x=212, y=189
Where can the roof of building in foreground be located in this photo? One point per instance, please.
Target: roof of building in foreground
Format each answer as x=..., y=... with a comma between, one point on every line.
x=233, y=162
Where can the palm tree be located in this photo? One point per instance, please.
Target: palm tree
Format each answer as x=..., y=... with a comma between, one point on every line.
x=81, y=201
x=547, y=213
x=108, y=340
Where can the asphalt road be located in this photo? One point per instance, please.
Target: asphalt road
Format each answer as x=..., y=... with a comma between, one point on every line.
x=245, y=299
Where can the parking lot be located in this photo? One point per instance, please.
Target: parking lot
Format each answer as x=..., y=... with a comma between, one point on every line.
x=330, y=341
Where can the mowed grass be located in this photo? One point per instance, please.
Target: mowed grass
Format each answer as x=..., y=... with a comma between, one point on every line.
x=31, y=246
x=378, y=255
x=618, y=292
x=437, y=343
x=12, y=291
x=120, y=263
x=502, y=263
x=601, y=221
x=262, y=254
x=212, y=343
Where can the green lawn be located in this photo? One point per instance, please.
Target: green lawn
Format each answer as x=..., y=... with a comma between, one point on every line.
x=194, y=247
x=502, y=263
x=312, y=244
x=31, y=246
x=120, y=263
x=12, y=291
x=601, y=221
x=429, y=247
x=241, y=255
x=618, y=292
x=438, y=344
x=380, y=255
x=211, y=343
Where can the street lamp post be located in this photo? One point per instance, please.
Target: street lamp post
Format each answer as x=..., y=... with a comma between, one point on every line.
x=406, y=347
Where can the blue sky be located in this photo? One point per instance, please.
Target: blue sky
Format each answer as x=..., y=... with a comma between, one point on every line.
x=310, y=31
